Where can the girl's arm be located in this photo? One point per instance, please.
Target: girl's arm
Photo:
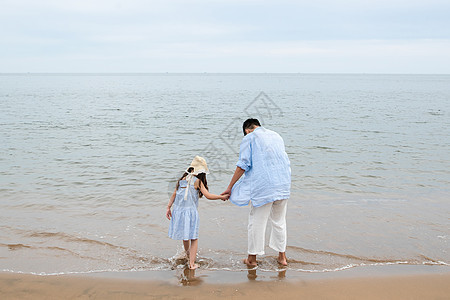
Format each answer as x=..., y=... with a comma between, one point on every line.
x=211, y=196
x=169, y=206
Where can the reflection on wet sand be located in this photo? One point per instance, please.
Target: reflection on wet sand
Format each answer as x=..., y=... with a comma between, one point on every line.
x=188, y=278
x=252, y=274
x=281, y=274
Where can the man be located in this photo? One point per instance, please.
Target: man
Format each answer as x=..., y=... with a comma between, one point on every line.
x=266, y=186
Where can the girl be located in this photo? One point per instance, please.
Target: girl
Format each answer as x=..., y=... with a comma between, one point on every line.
x=184, y=217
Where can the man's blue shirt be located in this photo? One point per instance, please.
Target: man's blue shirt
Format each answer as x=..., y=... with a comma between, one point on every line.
x=267, y=176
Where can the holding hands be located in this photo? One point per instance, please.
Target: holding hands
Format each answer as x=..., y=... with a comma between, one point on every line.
x=227, y=192
x=224, y=196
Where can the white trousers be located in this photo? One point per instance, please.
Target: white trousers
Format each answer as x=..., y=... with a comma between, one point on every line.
x=275, y=212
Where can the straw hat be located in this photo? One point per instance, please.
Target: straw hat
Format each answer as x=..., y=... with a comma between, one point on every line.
x=199, y=165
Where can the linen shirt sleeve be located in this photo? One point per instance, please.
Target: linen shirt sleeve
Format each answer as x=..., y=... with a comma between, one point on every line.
x=245, y=154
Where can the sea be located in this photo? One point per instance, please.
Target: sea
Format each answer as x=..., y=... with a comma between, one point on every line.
x=88, y=162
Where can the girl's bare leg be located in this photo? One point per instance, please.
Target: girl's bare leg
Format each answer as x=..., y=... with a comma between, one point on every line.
x=186, y=247
x=193, y=254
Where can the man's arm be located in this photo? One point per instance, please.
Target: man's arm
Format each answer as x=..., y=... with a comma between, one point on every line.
x=237, y=174
x=244, y=163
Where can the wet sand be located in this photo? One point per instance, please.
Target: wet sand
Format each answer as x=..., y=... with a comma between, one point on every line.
x=186, y=285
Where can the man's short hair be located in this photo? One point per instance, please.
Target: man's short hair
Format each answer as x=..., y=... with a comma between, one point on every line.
x=250, y=124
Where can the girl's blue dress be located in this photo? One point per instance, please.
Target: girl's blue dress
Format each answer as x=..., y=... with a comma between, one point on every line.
x=184, y=222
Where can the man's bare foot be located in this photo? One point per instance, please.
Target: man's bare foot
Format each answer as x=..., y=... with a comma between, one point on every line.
x=283, y=263
x=193, y=267
x=282, y=259
x=250, y=265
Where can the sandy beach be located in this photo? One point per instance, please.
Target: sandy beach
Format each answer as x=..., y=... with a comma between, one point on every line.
x=347, y=285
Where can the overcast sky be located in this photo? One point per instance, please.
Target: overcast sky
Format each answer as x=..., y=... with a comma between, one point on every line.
x=314, y=36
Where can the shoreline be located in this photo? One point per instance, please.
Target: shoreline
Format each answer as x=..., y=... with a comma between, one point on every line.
x=375, y=282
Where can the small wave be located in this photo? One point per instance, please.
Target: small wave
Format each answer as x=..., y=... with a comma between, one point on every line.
x=349, y=266
x=347, y=256
x=437, y=112
x=116, y=258
x=202, y=265
x=295, y=261
x=168, y=264
x=429, y=261
x=70, y=238
x=15, y=246
x=61, y=273
x=327, y=149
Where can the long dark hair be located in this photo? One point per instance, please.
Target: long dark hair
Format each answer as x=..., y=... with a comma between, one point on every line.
x=201, y=177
